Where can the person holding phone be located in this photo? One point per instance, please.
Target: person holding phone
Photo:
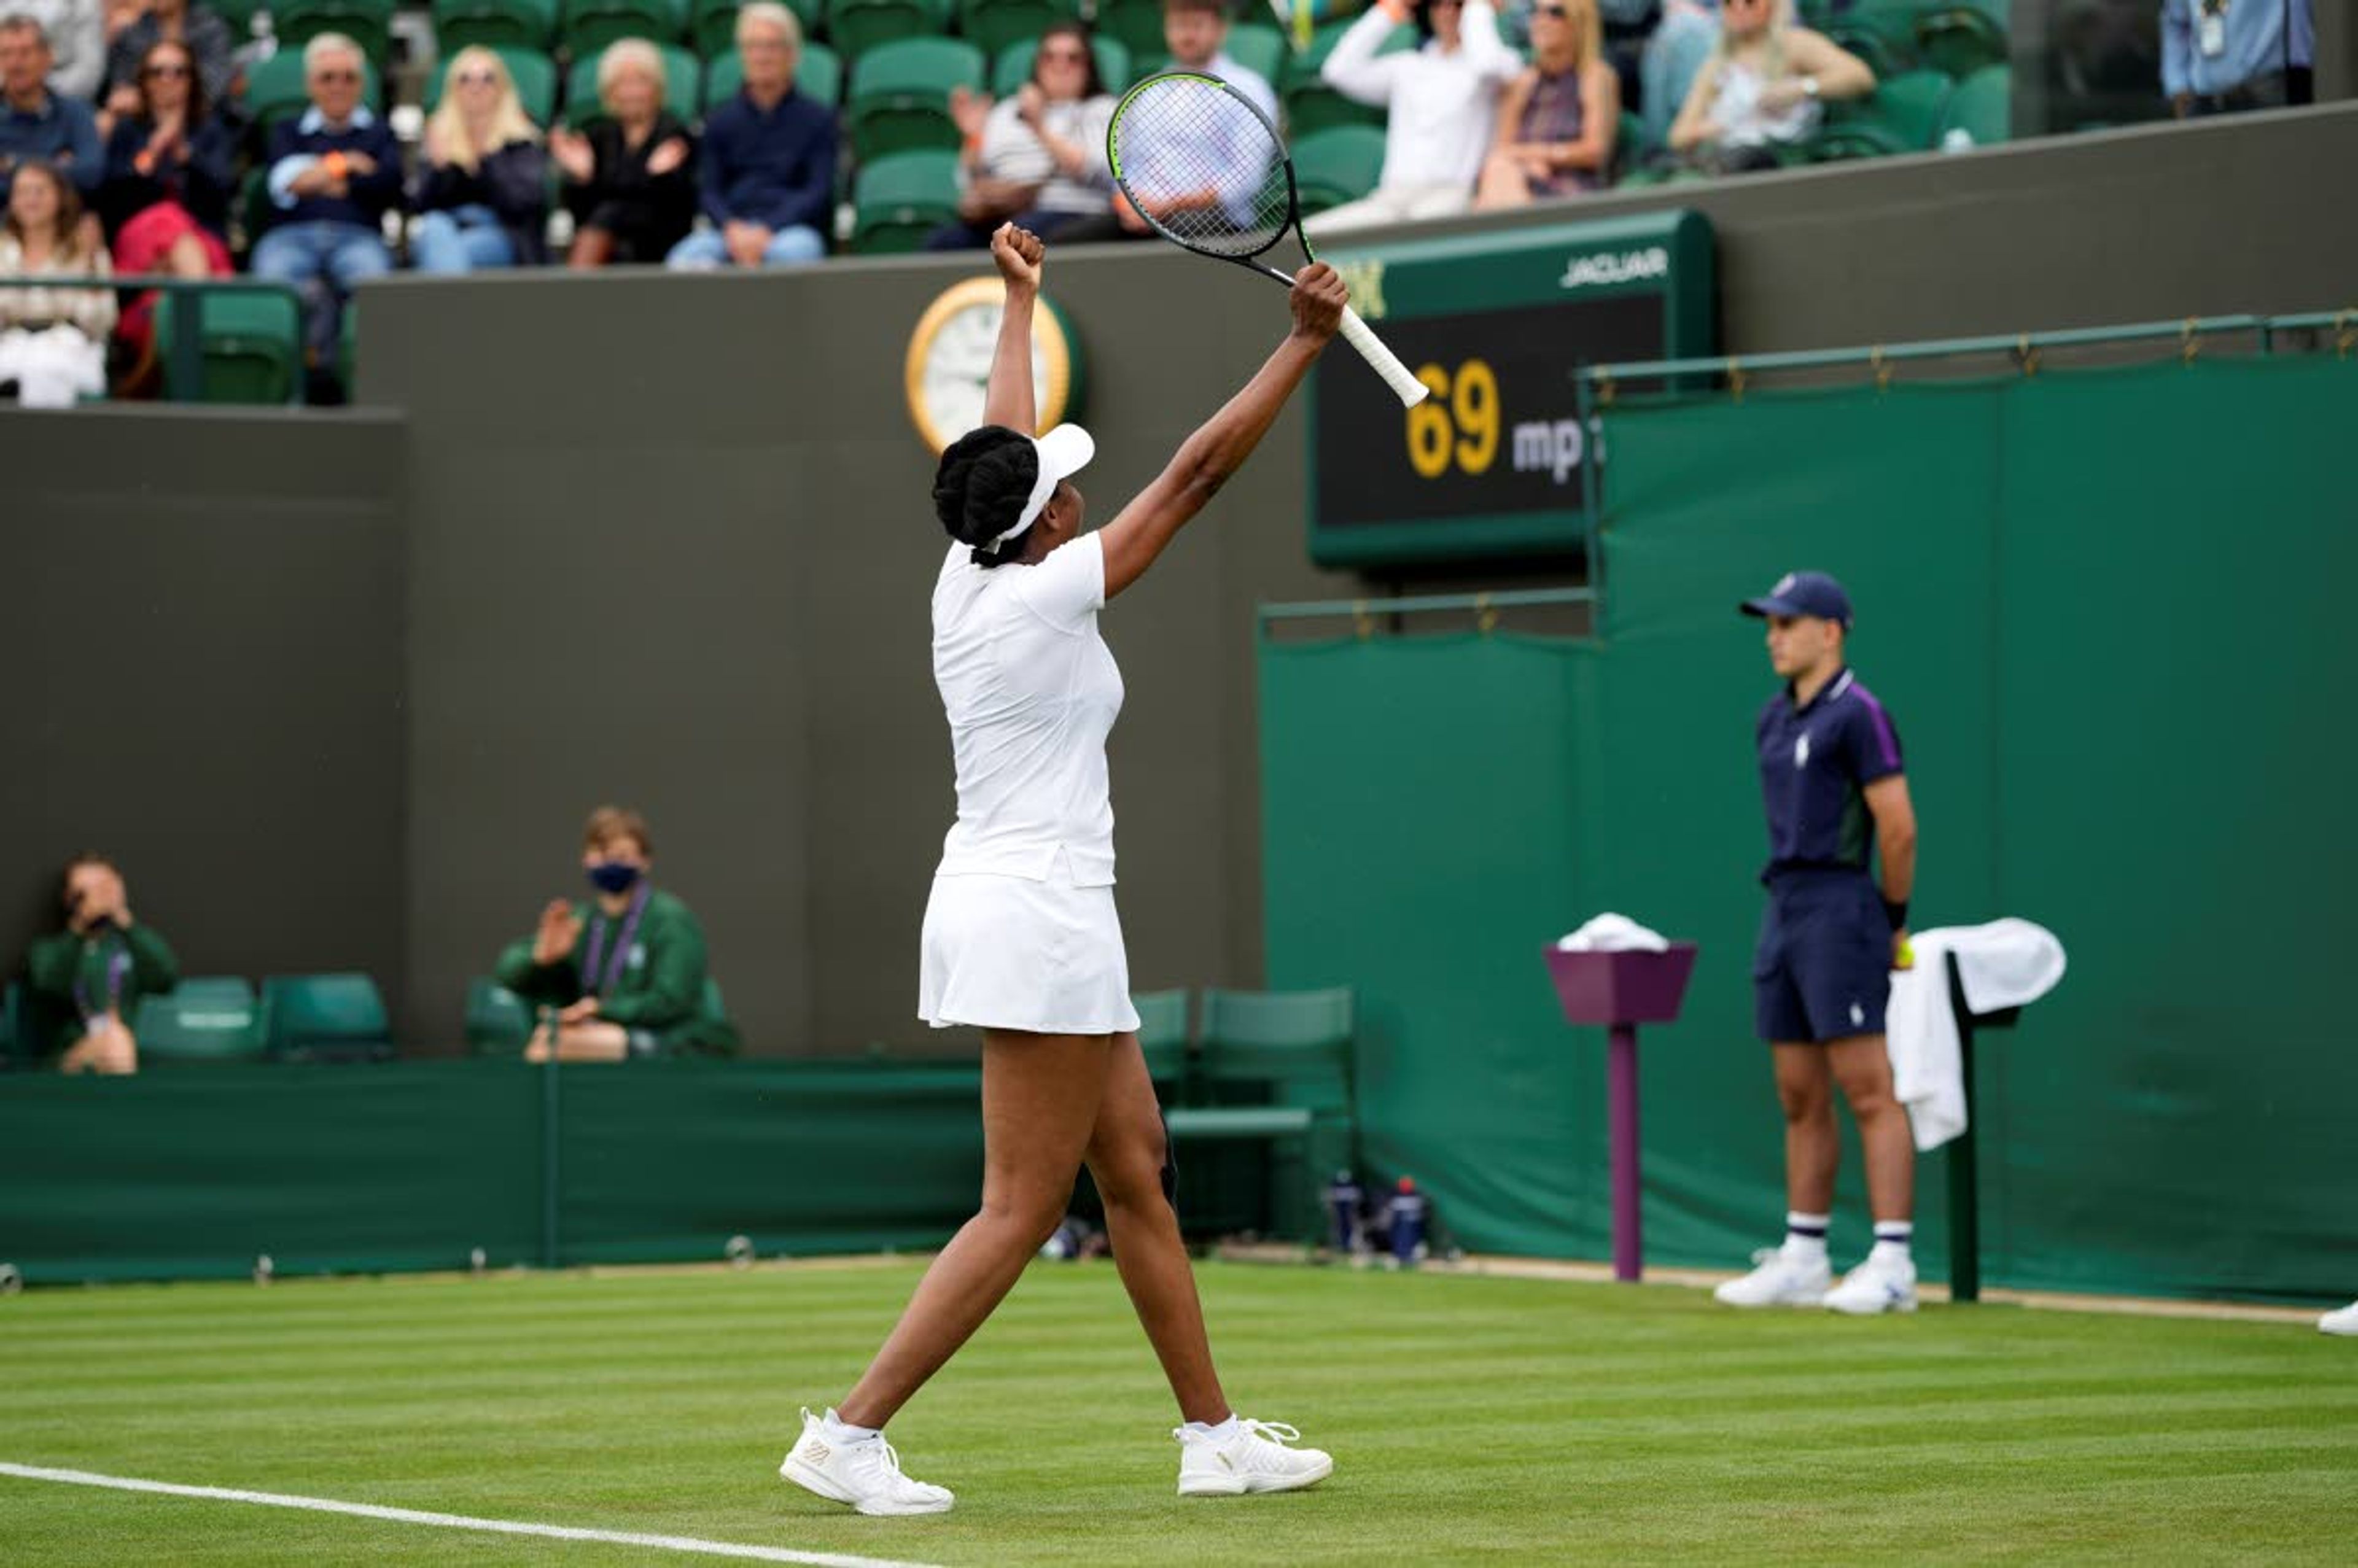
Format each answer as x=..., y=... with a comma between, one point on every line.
x=92, y=974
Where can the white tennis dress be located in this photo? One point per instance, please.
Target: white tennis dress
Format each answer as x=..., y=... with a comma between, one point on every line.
x=1021, y=931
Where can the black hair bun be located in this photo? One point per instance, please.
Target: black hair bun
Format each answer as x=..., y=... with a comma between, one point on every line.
x=985, y=478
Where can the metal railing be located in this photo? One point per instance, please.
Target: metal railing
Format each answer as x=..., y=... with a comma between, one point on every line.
x=183, y=356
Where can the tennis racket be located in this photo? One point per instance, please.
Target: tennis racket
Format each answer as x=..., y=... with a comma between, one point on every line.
x=1206, y=169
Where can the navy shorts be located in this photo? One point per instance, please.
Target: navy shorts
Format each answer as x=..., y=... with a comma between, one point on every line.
x=1822, y=970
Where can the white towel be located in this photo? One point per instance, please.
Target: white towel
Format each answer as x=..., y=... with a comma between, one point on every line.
x=1613, y=934
x=2007, y=963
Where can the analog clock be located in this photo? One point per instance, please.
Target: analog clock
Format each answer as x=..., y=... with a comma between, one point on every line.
x=950, y=362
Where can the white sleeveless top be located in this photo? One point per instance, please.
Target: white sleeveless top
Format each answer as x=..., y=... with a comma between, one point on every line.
x=1742, y=123
x=1031, y=692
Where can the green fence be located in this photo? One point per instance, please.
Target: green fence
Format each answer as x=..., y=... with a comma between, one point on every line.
x=2105, y=609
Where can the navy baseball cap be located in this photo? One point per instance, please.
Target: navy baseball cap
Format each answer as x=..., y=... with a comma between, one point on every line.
x=1803, y=593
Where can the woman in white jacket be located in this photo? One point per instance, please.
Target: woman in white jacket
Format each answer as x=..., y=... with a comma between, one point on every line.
x=52, y=340
x=1443, y=98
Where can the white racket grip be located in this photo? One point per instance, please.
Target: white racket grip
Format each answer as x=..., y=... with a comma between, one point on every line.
x=1396, y=375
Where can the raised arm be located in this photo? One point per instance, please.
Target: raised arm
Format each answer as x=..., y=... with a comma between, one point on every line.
x=1207, y=459
x=1008, y=399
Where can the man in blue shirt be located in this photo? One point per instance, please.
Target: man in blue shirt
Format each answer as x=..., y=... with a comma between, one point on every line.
x=36, y=122
x=1831, y=778
x=2222, y=55
x=768, y=157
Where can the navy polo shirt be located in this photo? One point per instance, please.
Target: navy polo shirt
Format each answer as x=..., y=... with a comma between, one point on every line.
x=1816, y=761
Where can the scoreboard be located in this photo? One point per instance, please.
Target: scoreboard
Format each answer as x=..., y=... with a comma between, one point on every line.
x=1491, y=465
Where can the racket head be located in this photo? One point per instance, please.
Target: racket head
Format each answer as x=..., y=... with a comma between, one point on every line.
x=1180, y=136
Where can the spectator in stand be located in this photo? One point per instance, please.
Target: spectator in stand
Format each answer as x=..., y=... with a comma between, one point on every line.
x=206, y=36
x=631, y=179
x=1559, y=119
x=1036, y=159
x=36, y=122
x=334, y=174
x=96, y=969
x=1442, y=101
x=1762, y=89
x=484, y=202
x=171, y=166
x=76, y=31
x=624, y=973
x=1674, y=54
x=769, y=159
x=52, y=340
x=2220, y=57
x=1196, y=33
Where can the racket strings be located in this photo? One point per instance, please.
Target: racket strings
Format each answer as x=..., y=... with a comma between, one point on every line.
x=1202, y=166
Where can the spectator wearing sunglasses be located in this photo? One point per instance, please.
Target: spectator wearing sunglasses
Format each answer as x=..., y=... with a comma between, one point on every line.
x=1557, y=120
x=1441, y=100
x=1761, y=91
x=484, y=202
x=196, y=27
x=1036, y=158
x=334, y=174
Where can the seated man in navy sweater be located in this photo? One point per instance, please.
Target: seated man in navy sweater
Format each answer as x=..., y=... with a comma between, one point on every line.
x=334, y=174
x=768, y=157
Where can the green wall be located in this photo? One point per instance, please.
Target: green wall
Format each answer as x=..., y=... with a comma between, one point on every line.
x=2100, y=607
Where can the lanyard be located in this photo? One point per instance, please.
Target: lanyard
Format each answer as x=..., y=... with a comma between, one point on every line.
x=594, y=985
x=118, y=965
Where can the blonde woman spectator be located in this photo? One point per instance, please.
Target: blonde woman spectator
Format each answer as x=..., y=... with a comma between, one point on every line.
x=1559, y=119
x=484, y=202
x=1442, y=99
x=1036, y=158
x=631, y=179
x=1762, y=89
x=52, y=340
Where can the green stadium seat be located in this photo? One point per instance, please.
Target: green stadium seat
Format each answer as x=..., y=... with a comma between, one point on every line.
x=1259, y=49
x=326, y=1018
x=527, y=24
x=1336, y=165
x=712, y=24
x=1901, y=115
x=1311, y=105
x=587, y=27
x=716, y=1008
x=1982, y=107
x=1136, y=25
x=499, y=1021
x=273, y=92
x=899, y=198
x=900, y=96
x=993, y=24
x=533, y=71
x=14, y=1047
x=252, y=345
x=818, y=76
x=1294, y=1052
x=368, y=23
x=1013, y=67
x=1961, y=36
x=856, y=27
x=200, y=1021
x=681, y=76
x=1629, y=149
x=1162, y=1038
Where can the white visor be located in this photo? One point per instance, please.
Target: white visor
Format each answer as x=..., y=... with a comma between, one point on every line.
x=1063, y=452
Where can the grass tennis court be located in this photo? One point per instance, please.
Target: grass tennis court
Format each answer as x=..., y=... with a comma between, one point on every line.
x=1512, y=1420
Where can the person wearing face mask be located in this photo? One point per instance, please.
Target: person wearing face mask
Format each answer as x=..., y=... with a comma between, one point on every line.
x=92, y=974
x=622, y=974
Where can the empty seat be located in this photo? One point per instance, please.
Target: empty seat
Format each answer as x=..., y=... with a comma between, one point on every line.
x=1901, y=115
x=856, y=27
x=216, y=1020
x=252, y=344
x=587, y=27
x=495, y=23
x=899, y=198
x=1982, y=107
x=993, y=24
x=900, y=97
x=712, y=24
x=499, y=1021
x=1163, y=1040
x=334, y=1017
x=1336, y=165
x=368, y=23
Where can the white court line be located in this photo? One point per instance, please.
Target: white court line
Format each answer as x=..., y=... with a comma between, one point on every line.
x=455, y=1521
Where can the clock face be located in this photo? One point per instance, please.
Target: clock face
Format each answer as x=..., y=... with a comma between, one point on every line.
x=947, y=374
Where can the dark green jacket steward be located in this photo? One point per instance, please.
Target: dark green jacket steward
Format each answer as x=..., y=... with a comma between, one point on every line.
x=659, y=987
x=69, y=974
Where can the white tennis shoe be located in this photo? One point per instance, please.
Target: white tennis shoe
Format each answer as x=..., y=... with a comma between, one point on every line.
x=1780, y=1279
x=2342, y=1322
x=1875, y=1286
x=866, y=1474
x=1255, y=1460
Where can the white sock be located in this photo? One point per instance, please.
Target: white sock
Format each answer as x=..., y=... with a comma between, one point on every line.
x=1805, y=1236
x=839, y=1431
x=1220, y=1433
x=1892, y=1241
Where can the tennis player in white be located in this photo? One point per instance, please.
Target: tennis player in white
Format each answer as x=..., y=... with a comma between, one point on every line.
x=1021, y=937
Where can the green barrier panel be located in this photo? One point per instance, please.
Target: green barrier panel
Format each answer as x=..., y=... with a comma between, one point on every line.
x=2099, y=607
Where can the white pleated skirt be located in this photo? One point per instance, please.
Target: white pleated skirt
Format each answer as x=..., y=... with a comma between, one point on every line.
x=1002, y=952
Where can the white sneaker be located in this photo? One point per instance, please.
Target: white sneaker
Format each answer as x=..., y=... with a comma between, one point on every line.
x=1780, y=1280
x=2342, y=1322
x=866, y=1474
x=1872, y=1287
x=1255, y=1460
